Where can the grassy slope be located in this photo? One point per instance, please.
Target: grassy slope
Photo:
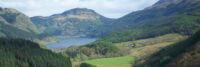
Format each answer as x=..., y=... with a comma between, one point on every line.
x=186, y=53
x=148, y=46
x=186, y=24
x=181, y=17
x=13, y=32
x=144, y=48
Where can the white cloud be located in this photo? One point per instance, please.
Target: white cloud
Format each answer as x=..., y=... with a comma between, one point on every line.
x=108, y=8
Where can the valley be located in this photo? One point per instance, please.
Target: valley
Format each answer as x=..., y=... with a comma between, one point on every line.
x=143, y=48
x=165, y=34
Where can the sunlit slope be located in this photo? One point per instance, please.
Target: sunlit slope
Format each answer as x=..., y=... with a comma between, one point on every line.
x=143, y=48
x=181, y=54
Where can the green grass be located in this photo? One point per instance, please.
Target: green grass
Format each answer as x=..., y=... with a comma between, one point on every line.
x=112, y=61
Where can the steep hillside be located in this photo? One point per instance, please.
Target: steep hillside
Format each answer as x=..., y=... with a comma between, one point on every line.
x=17, y=19
x=162, y=10
x=166, y=16
x=13, y=32
x=14, y=24
x=181, y=54
x=24, y=53
x=78, y=22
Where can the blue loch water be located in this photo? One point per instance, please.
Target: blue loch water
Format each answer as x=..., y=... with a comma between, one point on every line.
x=65, y=43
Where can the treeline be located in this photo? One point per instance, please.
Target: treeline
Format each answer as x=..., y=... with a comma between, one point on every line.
x=86, y=65
x=98, y=49
x=24, y=53
x=121, y=36
x=189, y=48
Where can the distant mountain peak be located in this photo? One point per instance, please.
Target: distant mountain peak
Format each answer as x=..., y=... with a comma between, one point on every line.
x=79, y=11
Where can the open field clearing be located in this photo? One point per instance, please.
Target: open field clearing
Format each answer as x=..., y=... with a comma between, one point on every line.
x=112, y=62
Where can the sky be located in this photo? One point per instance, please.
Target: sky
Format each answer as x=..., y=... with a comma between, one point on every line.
x=107, y=8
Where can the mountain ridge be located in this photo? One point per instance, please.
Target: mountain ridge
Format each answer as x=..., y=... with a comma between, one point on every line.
x=181, y=17
x=17, y=19
x=78, y=22
x=160, y=16
x=15, y=24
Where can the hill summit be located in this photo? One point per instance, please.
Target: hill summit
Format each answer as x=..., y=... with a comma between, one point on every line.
x=78, y=22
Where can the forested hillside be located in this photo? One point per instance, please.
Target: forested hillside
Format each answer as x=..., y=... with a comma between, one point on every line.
x=94, y=50
x=24, y=53
x=181, y=54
